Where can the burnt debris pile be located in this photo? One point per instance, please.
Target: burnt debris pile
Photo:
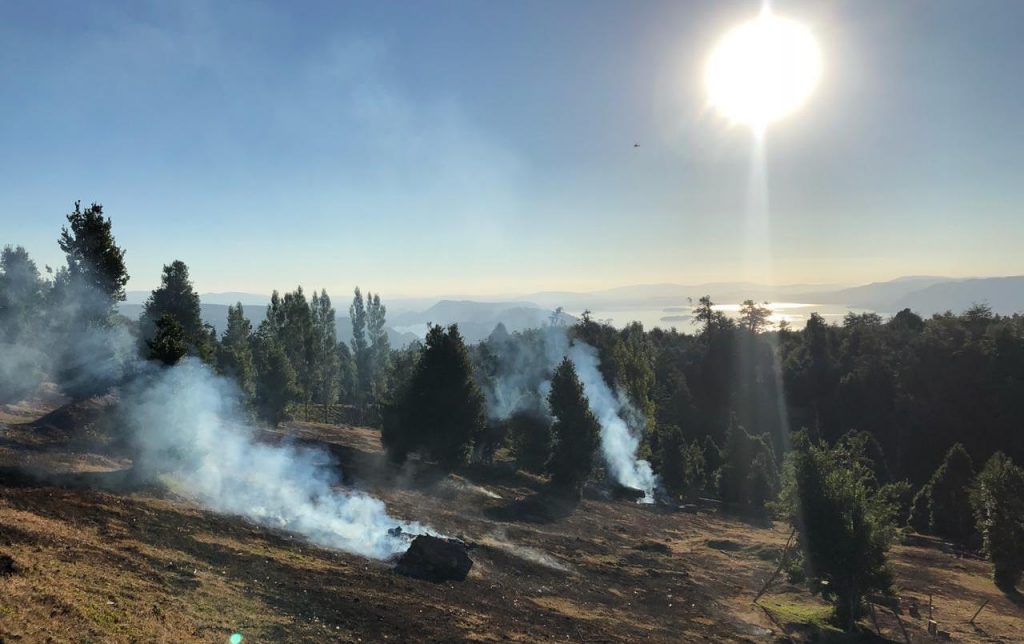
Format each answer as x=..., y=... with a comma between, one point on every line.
x=436, y=559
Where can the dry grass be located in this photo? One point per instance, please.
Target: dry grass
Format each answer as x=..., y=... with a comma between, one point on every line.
x=142, y=565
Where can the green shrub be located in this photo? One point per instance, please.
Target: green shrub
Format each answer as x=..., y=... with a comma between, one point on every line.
x=998, y=500
x=748, y=478
x=530, y=435
x=575, y=430
x=845, y=527
x=920, y=510
x=680, y=465
x=440, y=411
x=950, y=513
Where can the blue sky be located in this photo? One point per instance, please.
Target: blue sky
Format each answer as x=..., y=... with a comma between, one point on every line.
x=422, y=148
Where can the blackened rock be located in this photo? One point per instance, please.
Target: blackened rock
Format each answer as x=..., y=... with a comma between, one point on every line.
x=435, y=559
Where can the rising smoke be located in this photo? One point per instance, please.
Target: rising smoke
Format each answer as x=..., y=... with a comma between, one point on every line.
x=187, y=426
x=619, y=445
x=192, y=435
x=521, y=381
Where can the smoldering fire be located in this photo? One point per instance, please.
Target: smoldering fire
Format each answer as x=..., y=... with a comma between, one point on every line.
x=523, y=380
x=191, y=433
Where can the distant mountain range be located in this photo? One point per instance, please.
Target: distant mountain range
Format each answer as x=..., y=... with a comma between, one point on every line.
x=667, y=303
x=930, y=295
x=925, y=295
x=665, y=295
x=1004, y=294
x=476, y=320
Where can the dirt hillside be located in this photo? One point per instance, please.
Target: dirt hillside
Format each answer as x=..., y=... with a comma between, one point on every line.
x=92, y=559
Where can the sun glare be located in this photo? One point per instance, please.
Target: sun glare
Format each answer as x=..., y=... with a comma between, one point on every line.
x=762, y=70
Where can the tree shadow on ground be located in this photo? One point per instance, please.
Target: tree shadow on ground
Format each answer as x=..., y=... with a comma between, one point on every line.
x=1015, y=596
x=122, y=481
x=754, y=519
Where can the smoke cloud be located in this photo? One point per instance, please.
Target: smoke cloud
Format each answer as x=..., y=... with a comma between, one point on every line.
x=522, y=375
x=619, y=445
x=192, y=435
x=60, y=330
x=521, y=382
x=186, y=425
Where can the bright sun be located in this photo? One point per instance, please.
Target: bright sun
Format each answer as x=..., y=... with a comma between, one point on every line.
x=762, y=70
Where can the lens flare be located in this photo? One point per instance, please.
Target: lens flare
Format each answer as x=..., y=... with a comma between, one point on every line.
x=762, y=70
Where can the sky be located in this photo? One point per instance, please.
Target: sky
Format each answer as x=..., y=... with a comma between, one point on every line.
x=483, y=148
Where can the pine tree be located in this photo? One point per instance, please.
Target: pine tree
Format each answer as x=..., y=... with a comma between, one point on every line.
x=696, y=469
x=23, y=363
x=705, y=314
x=89, y=356
x=920, y=513
x=295, y=335
x=748, y=477
x=360, y=352
x=671, y=459
x=273, y=319
x=950, y=513
x=440, y=410
x=275, y=379
x=325, y=359
x=177, y=299
x=347, y=380
x=168, y=343
x=845, y=526
x=575, y=430
x=235, y=358
x=380, y=347
x=754, y=317
x=997, y=497
x=95, y=263
x=712, y=463
x=21, y=295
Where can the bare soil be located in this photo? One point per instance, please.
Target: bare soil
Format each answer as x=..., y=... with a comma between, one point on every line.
x=95, y=559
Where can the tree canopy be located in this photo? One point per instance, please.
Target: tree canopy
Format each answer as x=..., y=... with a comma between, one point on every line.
x=95, y=261
x=440, y=411
x=575, y=430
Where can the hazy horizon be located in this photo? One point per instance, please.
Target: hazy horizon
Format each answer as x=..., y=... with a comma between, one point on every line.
x=267, y=149
x=345, y=292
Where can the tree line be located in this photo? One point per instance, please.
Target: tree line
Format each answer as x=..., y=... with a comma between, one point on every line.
x=852, y=431
x=64, y=327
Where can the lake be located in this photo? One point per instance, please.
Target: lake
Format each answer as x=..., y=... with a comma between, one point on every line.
x=680, y=316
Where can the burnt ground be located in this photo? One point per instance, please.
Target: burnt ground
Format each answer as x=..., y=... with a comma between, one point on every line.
x=96, y=559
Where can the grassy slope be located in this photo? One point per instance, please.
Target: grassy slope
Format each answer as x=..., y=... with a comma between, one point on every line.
x=142, y=565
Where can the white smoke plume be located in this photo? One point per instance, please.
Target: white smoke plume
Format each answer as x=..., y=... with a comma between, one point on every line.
x=185, y=423
x=190, y=432
x=619, y=445
x=522, y=381
x=525, y=362
x=60, y=343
